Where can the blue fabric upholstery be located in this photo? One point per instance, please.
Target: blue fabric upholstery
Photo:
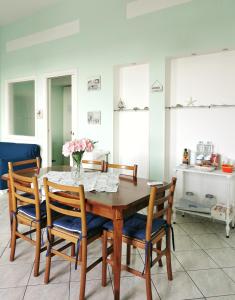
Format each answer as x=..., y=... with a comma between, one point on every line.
x=29, y=210
x=73, y=224
x=15, y=152
x=135, y=226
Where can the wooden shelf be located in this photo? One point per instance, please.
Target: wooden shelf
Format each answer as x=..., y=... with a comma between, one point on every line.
x=201, y=106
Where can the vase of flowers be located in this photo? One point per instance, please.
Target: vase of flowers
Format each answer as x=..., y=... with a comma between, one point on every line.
x=76, y=148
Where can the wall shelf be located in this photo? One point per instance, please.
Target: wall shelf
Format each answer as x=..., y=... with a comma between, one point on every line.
x=132, y=109
x=200, y=106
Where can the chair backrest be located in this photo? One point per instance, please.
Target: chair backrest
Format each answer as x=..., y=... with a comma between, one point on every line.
x=20, y=187
x=124, y=167
x=26, y=165
x=162, y=199
x=69, y=196
x=91, y=163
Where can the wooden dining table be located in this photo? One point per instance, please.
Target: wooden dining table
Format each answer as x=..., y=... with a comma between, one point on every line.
x=132, y=195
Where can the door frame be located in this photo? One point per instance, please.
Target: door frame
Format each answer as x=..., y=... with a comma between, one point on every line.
x=74, y=112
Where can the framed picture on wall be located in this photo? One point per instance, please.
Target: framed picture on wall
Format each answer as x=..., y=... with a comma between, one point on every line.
x=94, y=83
x=94, y=117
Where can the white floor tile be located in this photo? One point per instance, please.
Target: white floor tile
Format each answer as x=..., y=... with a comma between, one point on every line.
x=94, y=274
x=181, y=287
x=134, y=288
x=60, y=273
x=178, y=230
x=191, y=228
x=229, y=297
x=2, y=249
x=230, y=272
x=14, y=275
x=195, y=260
x=4, y=239
x=12, y=293
x=213, y=282
x=185, y=243
x=49, y=291
x=94, y=291
x=230, y=241
x=223, y=257
x=209, y=241
x=176, y=266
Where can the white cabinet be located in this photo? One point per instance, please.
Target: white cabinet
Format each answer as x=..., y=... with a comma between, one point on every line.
x=196, y=184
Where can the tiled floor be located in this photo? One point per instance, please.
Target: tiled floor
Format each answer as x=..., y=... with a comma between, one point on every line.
x=203, y=268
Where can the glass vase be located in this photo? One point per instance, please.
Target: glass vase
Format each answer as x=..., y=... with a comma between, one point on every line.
x=77, y=171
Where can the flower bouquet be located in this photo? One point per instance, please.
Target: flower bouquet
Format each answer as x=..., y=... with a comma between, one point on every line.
x=76, y=148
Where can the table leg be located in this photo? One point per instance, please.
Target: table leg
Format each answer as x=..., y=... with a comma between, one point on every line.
x=117, y=255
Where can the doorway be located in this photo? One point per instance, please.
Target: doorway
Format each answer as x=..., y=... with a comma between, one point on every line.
x=60, y=117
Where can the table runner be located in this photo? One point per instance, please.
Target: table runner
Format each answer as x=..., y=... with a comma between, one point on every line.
x=92, y=181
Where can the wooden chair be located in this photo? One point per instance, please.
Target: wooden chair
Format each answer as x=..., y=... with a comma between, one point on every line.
x=26, y=165
x=145, y=232
x=20, y=167
x=100, y=164
x=133, y=168
x=76, y=227
x=27, y=210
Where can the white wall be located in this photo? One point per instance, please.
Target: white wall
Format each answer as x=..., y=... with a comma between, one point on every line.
x=209, y=79
x=131, y=129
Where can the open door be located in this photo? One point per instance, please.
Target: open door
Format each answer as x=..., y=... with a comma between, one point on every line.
x=61, y=117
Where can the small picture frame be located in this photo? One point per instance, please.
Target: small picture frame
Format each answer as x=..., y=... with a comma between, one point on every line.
x=94, y=117
x=94, y=83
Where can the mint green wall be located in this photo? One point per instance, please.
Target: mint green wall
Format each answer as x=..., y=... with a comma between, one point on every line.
x=108, y=39
x=23, y=98
x=57, y=123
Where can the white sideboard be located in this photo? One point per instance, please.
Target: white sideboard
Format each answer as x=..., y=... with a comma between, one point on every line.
x=199, y=183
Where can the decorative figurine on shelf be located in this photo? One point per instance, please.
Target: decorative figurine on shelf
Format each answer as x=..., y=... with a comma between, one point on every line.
x=121, y=104
x=186, y=157
x=191, y=102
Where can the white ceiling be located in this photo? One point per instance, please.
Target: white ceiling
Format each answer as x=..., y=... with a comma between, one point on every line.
x=13, y=10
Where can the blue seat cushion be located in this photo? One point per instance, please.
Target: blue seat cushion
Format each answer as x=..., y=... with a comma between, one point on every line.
x=73, y=224
x=135, y=226
x=30, y=211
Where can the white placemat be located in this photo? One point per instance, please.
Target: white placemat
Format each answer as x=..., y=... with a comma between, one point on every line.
x=92, y=181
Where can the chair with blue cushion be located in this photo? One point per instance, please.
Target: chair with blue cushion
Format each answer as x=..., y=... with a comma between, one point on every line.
x=76, y=227
x=146, y=232
x=26, y=209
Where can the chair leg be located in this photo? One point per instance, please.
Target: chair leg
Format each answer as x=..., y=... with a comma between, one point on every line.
x=83, y=269
x=13, y=240
x=159, y=247
x=48, y=264
x=168, y=257
x=73, y=250
x=104, y=258
x=148, y=277
x=128, y=254
x=37, y=251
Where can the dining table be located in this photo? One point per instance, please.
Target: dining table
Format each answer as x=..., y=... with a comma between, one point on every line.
x=131, y=196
